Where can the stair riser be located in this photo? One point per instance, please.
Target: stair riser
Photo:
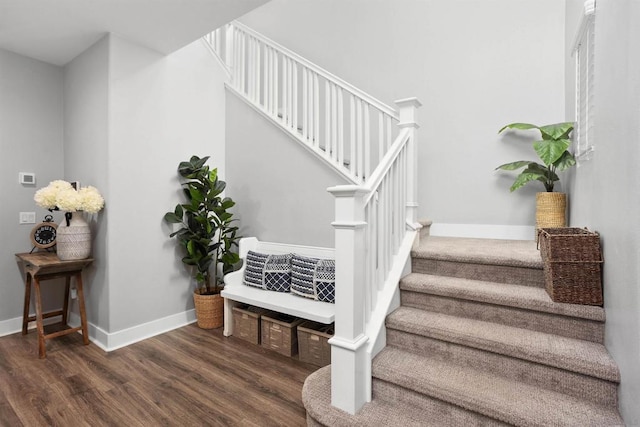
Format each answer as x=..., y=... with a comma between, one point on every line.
x=437, y=409
x=565, y=326
x=574, y=384
x=493, y=273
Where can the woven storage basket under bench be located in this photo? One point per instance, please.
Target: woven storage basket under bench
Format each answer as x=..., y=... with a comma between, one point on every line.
x=246, y=322
x=279, y=333
x=313, y=343
x=572, y=261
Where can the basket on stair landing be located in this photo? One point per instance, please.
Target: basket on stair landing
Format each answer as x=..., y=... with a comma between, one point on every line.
x=572, y=260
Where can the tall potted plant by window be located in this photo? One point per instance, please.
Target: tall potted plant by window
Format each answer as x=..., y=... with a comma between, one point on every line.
x=552, y=150
x=207, y=234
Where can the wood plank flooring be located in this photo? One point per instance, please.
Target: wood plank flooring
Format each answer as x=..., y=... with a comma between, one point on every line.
x=186, y=377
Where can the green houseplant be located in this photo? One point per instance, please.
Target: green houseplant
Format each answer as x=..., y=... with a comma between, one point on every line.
x=207, y=231
x=553, y=151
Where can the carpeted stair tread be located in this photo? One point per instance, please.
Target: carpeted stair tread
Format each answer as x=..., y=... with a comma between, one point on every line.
x=524, y=297
x=316, y=397
x=574, y=355
x=510, y=401
x=514, y=253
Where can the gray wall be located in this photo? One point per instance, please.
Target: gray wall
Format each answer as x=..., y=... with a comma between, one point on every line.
x=280, y=188
x=86, y=156
x=475, y=65
x=604, y=190
x=162, y=110
x=30, y=141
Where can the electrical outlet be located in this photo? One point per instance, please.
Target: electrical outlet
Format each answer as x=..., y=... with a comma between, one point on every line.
x=27, y=218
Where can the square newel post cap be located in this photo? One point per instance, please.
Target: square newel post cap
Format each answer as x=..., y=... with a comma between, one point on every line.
x=408, y=112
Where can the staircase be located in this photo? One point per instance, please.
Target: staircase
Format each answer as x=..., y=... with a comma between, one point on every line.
x=477, y=341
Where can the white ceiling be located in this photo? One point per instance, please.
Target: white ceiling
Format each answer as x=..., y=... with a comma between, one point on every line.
x=56, y=31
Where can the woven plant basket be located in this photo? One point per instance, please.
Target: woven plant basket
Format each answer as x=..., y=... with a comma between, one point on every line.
x=209, y=310
x=572, y=265
x=551, y=210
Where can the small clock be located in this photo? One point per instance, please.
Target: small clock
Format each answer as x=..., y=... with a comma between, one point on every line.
x=43, y=235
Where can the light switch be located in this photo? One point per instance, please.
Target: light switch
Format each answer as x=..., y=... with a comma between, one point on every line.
x=27, y=217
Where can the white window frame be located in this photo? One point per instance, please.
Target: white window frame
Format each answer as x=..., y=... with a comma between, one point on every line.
x=584, y=54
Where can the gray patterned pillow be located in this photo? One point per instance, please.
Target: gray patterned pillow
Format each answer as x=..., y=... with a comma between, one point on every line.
x=270, y=272
x=255, y=267
x=313, y=278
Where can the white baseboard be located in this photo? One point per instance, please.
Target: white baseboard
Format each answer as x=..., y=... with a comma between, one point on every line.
x=115, y=340
x=484, y=231
x=12, y=326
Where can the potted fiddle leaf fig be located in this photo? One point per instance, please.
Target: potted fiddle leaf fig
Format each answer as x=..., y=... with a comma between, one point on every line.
x=207, y=234
x=553, y=151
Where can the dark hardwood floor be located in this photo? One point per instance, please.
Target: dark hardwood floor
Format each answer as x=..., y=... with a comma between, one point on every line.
x=186, y=377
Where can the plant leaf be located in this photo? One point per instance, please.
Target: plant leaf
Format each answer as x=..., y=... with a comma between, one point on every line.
x=565, y=161
x=556, y=131
x=514, y=165
x=521, y=126
x=524, y=178
x=550, y=150
x=172, y=218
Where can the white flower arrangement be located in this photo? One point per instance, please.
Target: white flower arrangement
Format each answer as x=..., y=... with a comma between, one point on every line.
x=61, y=195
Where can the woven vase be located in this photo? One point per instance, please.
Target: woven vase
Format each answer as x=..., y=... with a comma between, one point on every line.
x=73, y=240
x=209, y=310
x=551, y=210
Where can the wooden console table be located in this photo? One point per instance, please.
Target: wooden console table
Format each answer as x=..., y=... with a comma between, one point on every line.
x=40, y=266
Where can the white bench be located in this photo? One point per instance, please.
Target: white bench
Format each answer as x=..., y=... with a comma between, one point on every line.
x=235, y=292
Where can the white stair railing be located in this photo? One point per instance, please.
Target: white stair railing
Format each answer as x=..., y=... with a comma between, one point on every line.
x=341, y=124
x=375, y=227
x=375, y=217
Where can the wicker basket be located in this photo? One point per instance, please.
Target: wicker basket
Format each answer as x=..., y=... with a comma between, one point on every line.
x=209, y=310
x=246, y=323
x=279, y=333
x=313, y=343
x=572, y=265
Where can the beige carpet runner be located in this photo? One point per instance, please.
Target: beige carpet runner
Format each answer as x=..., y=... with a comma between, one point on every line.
x=477, y=341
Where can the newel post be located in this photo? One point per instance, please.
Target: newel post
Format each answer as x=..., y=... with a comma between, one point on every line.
x=349, y=360
x=409, y=119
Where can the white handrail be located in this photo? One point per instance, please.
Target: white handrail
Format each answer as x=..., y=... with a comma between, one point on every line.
x=341, y=124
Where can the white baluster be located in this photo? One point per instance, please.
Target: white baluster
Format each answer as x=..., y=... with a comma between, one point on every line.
x=276, y=83
x=334, y=123
x=367, y=142
x=316, y=111
x=327, y=117
x=381, y=144
x=294, y=97
x=353, y=161
x=359, y=146
x=305, y=104
x=340, y=128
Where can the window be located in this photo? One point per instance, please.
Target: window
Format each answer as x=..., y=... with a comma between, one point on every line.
x=583, y=51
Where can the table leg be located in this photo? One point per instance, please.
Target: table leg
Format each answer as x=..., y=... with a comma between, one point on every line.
x=83, y=312
x=65, y=305
x=42, y=351
x=27, y=302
